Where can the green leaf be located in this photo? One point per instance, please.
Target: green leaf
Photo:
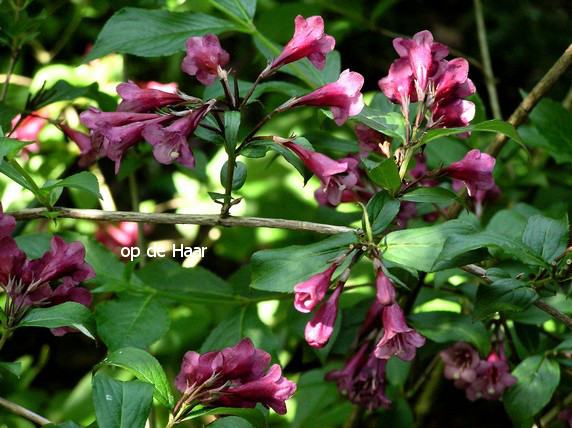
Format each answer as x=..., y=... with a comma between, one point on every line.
x=9, y=171
x=457, y=245
x=14, y=368
x=69, y=314
x=445, y=327
x=503, y=295
x=7, y=113
x=152, y=33
x=553, y=123
x=386, y=175
x=84, y=181
x=131, y=321
x=390, y=123
x=64, y=91
x=546, y=236
x=381, y=210
x=231, y=127
x=231, y=422
x=253, y=417
x=10, y=147
x=241, y=9
x=436, y=195
x=238, y=176
x=538, y=378
x=419, y=248
x=494, y=125
x=280, y=270
x=121, y=404
x=146, y=368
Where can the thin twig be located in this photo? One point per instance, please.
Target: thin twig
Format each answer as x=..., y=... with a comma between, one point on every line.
x=11, y=64
x=22, y=411
x=550, y=310
x=490, y=80
x=199, y=219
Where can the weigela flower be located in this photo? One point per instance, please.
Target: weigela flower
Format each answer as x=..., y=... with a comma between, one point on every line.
x=475, y=170
x=407, y=210
x=461, y=363
x=336, y=176
x=370, y=140
x=140, y=100
x=493, y=377
x=50, y=280
x=480, y=196
x=454, y=114
x=343, y=96
x=385, y=293
x=117, y=131
x=234, y=377
x=398, y=338
x=204, y=56
x=91, y=149
x=398, y=85
x=320, y=328
x=170, y=143
x=452, y=80
x=312, y=291
x=309, y=41
x=363, y=380
x=125, y=234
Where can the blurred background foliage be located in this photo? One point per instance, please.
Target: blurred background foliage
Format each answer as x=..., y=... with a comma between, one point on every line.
x=525, y=39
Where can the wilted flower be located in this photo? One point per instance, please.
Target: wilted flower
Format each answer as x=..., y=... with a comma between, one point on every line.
x=234, y=377
x=140, y=100
x=370, y=140
x=398, y=338
x=204, y=56
x=385, y=293
x=321, y=326
x=312, y=291
x=461, y=363
x=493, y=377
x=170, y=143
x=475, y=170
x=343, y=96
x=336, y=176
x=309, y=41
x=50, y=280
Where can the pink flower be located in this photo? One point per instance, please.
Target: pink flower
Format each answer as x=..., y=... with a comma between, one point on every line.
x=204, y=56
x=493, y=378
x=475, y=170
x=343, y=96
x=312, y=291
x=461, y=363
x=336, y=176
x=165, y=87
x=29, y=128
x=170, y=143
x=91, y=149
x=451, y=80
x=125, y=234
x=457, y=113
x=385, y=292
x=398, y=85
x=398, y=338
x=423, y=55
x=321, y=326
x=309, y=41
x=370, y=140
x=139, y=100
x=372, y=319
x=7, y=223
x=118, y=130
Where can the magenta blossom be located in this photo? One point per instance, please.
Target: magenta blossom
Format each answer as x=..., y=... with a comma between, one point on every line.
x=493, y=378
x=385, y=292
x=170, y=143
x=475, y=170
x=312, y=291
x=234, y=377
x=452, y=80
x=91, y=149
x=320, y=328
x=398, y=85
x=140, y=100
x=398, y=338
x=343, y=96
x=457, y=113
x=336, y=176
x=461, y=363
x=50, y=280
x=309, y=41
x=423, y=54
x=204, y=56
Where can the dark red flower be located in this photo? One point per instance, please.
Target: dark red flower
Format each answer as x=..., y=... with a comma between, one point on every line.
x=141, y=100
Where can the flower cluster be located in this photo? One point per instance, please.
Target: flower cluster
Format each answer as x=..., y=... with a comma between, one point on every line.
x=50, y=280
x=233, y=377
x=423, y=75
x=486, y=379
x=363, y=377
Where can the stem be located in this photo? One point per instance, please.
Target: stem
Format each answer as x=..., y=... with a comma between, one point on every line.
x=368, y=233
x=11, y=64
x=34, y=187
x=198, y=219
x=230, y=164
x=223, y=77
x=22, y=411
x=490, y=80
x=251, y=91
x=5, y=335
x=263, y=122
